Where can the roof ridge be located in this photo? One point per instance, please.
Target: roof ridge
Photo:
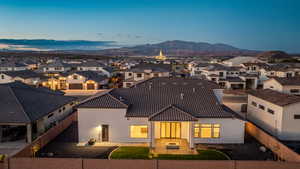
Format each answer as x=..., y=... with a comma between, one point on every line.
x=170, y=106
x=19, y=103
x=117, y=99
x=95, y=96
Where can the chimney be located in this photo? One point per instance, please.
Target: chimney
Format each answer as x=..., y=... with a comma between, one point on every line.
x=181, y=96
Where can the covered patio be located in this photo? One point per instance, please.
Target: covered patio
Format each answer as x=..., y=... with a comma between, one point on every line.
x=172, y=132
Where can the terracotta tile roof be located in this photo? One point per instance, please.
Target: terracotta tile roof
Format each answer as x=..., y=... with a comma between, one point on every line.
x=275, y=97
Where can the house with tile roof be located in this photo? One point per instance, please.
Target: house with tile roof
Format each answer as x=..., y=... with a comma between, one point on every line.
x=229, y=77
x=12, y=66
x=145, y=71
x=55, y=67
x=27, y=112
x=288, y=85
x=26, y=76
x=76, y=80
x=95, y=66
x=86, y=80
x=275, y=112
x=175, y=109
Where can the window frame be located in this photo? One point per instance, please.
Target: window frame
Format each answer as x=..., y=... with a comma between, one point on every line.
x=262, y=107
x=213, y=127
x=135, y=125
x=253, y=103
x=270, y=111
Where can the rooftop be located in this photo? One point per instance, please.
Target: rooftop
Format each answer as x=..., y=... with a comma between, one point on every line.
x=24, y=104
x=275, y=97
x=195, y=97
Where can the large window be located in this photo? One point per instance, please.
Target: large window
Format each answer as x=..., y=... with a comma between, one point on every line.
x=207, y=130
x=139, y=131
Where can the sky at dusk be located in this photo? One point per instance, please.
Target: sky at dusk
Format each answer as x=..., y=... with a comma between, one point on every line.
x=248, y=24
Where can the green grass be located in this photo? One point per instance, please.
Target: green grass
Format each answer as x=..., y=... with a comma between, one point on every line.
x=2, y=157
x=131, y=153
x=143, y=153
x=203, y=155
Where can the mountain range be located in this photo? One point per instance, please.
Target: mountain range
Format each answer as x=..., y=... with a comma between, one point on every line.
x=176, y=48
x=111, y=48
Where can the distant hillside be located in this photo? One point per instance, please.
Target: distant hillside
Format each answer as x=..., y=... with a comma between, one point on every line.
x=178, y=48
x=274, y=56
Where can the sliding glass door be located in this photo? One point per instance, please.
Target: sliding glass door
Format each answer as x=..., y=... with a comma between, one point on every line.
x=170, y=130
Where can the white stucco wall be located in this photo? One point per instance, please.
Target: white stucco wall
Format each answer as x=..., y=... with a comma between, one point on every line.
x=231, y=131
x=89, y=121
x=5, y=79
x=269, y=122
x=290, y=126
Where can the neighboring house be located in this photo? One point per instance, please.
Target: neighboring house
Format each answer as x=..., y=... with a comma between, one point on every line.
x=253, y=68
x=27, y=112
x=26, y=76
x=12, y=66
x=56, y=81
x=56, y=67
x=237, y=61
x=85, y=80
x=229, y=77
x=286, y=85
x=196, y=70
x=160, y=109
x=275, y=112
x=144, y=71
x=95, y=66
x=276, y=70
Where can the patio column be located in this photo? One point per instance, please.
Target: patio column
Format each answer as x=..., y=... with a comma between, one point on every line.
x=29, y=133
x=191, y=134
x=152, y=136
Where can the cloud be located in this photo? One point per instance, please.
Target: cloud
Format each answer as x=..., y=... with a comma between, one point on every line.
x=45, y=44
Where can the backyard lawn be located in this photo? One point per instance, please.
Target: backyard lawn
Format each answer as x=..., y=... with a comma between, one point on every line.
x=130, y=153
x=144, y=153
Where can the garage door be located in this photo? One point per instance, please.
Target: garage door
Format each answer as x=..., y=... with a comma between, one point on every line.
x=90, y=86
x=75, y=86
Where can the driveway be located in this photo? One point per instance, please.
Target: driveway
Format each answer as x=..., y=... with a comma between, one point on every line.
x=65, y=146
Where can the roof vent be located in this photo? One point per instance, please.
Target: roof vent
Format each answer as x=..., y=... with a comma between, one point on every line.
x=181, y=96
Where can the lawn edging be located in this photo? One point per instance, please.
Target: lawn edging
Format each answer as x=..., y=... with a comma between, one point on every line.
x=112, y=152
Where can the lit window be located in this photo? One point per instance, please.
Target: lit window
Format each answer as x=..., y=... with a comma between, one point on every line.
x=140, y=131
x=207, y=130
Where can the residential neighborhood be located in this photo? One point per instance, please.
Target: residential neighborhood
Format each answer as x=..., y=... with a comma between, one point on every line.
x=149, y=84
